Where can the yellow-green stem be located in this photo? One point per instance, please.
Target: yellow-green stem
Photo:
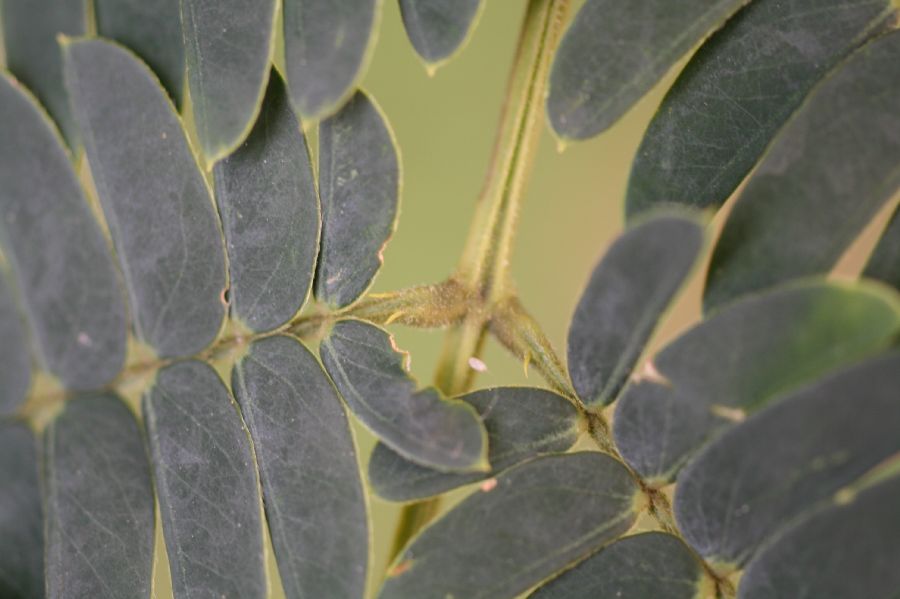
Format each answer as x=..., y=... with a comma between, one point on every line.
x=484, y=266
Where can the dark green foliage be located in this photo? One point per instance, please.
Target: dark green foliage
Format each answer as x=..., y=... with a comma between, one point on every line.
x=437, y=28
x=776, y=416
x=737, y=92
x=359, y=179
x=21, y=518
x=781, y=462
x=370, y=373
x=152, y=29
x=642, y=566
x=30, y=31
x=325, y=47
x=848, y=550
x=539, y=517
x=156, y=201
x=44, y=217
x=521, y=423
x=270, y=214
x=15, y=361
x=628, y=292
x=207, y=485
x=99, y=502
x=884, y=263
x=743, y=356
x=228, y=49
x=614, y=52
x=307, y=463
x=657, y=428
x=820, y=183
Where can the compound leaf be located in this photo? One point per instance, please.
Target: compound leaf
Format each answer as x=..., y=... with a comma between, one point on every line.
x=614, y=52
x=160, y=212
x=538, y=518
x=61, y=261
x=784, y=460
x=229, y=46
x=307, y=462
x=743, y=356
x=207, y=485
x=15, y=361
x=521, y=423
x=99, y=501
x=270, y=214
x=359, y=184
x=826, y=175
x=625, y=298
x=326, y=45
x=884, y=263
x=370, y=374
x=30, y=30
x=737, y=92
x=849, y=550
x=21, y=517
x=438, y=28
x=652, y=564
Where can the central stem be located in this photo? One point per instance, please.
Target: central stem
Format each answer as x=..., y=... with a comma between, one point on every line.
x=484, y=266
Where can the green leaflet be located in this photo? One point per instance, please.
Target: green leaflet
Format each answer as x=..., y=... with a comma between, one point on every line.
x=438, y=28
x=270, y=214
x=850, y=549
x=152, y=29
x=648, y=565
x=614, y=52
x=370, y=373
x=628, y=292
x=737, y=92
x=359, y=185
x=15, y=361
x=207, y=485
x=228, y=51
x=22, y=523
x=784, y=460
x=884, y=263
x=61, y=261
x=30, y=30
x=538, y=518
x=326, y=46
x=826, y=175
x=743, y=356
x=521, y=423
x=160, y=213
x=99, y=502
x=314, y=498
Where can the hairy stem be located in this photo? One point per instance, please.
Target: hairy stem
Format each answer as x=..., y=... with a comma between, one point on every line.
x=484, y=266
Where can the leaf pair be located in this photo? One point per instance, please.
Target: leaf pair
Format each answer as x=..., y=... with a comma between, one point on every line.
x=207, y=472
x=267, y=197
x=833, y=154
x=741, y=358
x=536, y=519
x=164, y=225
x=207, y=477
